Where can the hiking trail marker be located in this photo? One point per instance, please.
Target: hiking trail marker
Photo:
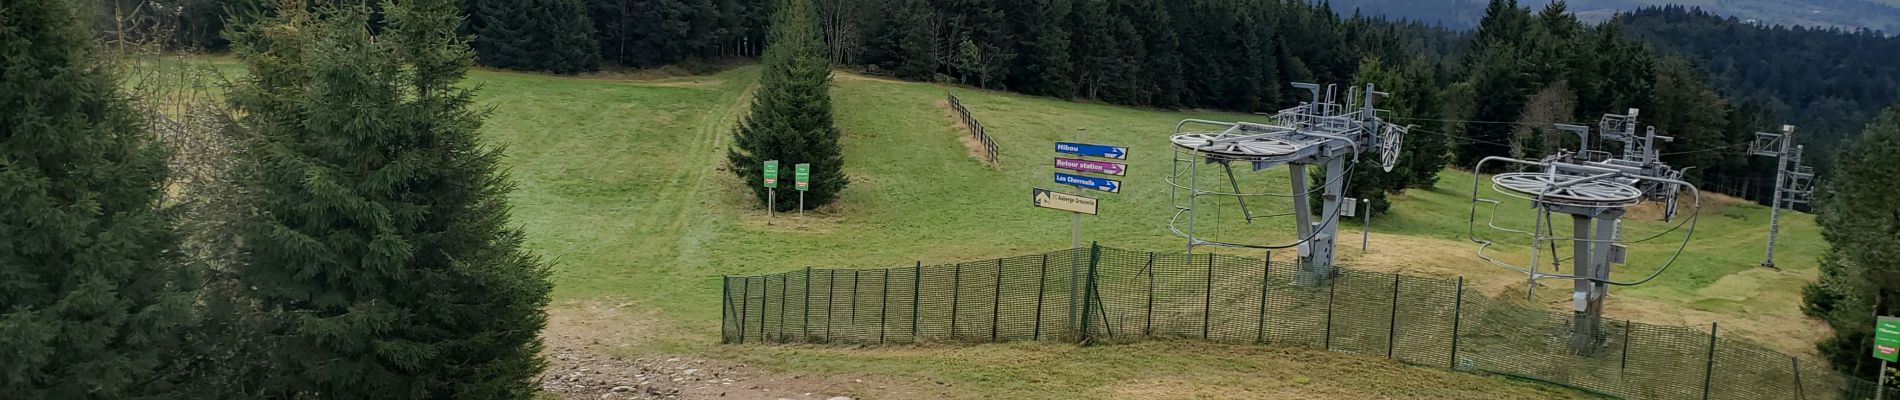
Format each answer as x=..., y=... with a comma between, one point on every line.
x=1887, y=339
x=1092, y=150
x=801, y=173
x=771, y=182
x=1055, y=200
x=1074, y=202
x=1091, y=166
x=1089, y=182
x=1886, y=345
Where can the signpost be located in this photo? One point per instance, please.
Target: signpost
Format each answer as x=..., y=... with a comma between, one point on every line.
x=1088, y=182
x=802, y=181
x=1094, y=167
x=1886, y=346
x=1092, y=150
x=1054, y=200
x=1077, y=204
x=771, y=182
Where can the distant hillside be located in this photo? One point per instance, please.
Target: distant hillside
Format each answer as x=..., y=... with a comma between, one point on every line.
x=1881, y=15
x=1829, y=82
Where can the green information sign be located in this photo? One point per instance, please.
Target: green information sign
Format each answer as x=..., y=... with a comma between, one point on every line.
x=803, y=172
x=771, y=174
x=1887, y=339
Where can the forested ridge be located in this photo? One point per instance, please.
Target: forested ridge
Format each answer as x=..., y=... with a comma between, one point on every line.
x=1709, y=81
x=1828, y=82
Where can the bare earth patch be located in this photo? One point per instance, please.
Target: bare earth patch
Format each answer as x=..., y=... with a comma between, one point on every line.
x=970, y=144
x=583, y=337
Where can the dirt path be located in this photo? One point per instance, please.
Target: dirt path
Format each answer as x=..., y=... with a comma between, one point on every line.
x=583, y=339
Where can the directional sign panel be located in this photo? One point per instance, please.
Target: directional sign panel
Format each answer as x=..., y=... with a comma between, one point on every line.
x=1094, y=167
x=802, y=172
x=1049, y=199
x=1089, y=182
x=1887, y=339
x=771, y=174
x=1092, y=150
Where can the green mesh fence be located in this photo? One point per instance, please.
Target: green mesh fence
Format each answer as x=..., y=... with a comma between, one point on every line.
x=1132, y=296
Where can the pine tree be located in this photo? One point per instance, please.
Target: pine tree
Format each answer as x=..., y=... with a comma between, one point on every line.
x=1860, y=274
x=1044, y=65
x=380, y=236
x=537, y=35
x=92, y=291
x=916, y=42
x=791, y=114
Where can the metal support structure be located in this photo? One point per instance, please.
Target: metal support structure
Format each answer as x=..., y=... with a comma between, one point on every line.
x=1329, y=132
x=1594, y=188
x=1793, y=181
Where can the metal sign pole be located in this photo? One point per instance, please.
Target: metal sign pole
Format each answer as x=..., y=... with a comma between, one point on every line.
x=1365, y=229
x=1075, y=243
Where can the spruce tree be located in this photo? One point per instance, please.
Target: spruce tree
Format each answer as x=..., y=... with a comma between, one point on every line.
x=916, y=41
x=92, y=291
x=1860, y=274
x=536, y=35
x=791, y=114
x=380, y=233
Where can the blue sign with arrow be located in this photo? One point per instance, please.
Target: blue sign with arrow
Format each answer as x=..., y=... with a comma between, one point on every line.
x=1089, y=182
x=1092, y=150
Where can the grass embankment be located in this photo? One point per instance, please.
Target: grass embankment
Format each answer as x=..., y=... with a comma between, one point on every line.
x=622, y=186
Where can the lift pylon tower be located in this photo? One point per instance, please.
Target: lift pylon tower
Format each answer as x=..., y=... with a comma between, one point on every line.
x=1794, y=183
x=1595, y=189
x=1326, y=131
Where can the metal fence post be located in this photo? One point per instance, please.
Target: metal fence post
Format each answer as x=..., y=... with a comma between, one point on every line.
x=725, y=302
x=765, y=293
x=745, y=305
x=1332, y=289
x=1042, y=282
x=805, y=323
x=854, y=297
x=956, y=292
x=996, y=303
x=1392, y=327
x=916, y=291
x=1625, y=362
x=883, y=303
x=831, y=297
x=783, y=283
x=1266, y=276
x=1207, y=298
x=1149, y=328
x=1708, y=375
x=1088, y=290
x=1798, y=390
x=1457, y=318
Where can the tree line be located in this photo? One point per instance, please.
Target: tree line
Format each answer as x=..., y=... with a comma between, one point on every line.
x=1827, y=81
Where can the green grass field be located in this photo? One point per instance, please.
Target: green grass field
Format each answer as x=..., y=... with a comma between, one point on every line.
x=622, y=186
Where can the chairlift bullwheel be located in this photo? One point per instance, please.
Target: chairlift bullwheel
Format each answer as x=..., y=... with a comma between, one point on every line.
x=1389, y=142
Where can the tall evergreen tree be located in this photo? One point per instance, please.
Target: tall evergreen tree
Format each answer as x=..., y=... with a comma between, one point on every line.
x=380, y=236
x=916, y=41
x=1860, y=274
x=538, y=35
x=92, y=293
x=791, y=114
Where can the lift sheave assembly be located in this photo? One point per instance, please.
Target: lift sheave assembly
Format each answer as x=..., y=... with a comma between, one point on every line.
x=1327, y=131
x=1596, y=189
